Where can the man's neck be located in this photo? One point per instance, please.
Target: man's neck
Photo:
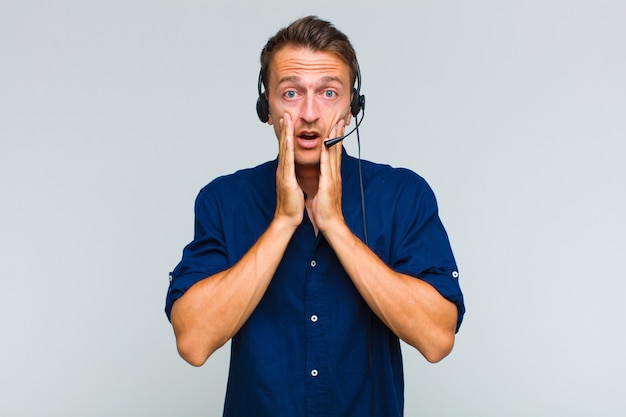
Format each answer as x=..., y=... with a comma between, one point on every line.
x=308, y=179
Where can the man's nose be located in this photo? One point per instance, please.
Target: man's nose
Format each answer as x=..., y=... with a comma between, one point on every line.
x=310, y=108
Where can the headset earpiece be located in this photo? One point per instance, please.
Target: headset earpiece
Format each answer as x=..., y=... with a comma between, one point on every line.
x=262, y=106
x=357, y=103
x=358, y=100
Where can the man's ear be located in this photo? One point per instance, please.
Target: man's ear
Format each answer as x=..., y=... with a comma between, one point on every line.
x=348, y=118
x=269, y=119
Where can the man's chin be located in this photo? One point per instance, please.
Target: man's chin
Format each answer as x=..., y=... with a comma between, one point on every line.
x=311, y=162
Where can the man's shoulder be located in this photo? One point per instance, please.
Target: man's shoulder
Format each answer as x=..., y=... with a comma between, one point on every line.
x=244, y=182
x=381, y=173
x=253, y=176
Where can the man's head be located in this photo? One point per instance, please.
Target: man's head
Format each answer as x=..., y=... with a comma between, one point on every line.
x=309, y=70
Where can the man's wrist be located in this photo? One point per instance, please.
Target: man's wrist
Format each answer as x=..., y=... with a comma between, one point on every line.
x=284, y=224
x=336, y=230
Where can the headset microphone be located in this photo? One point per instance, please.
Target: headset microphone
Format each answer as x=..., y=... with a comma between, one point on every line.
x=330, y=142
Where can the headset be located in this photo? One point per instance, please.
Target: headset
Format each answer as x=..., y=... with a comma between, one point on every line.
x=357, y=105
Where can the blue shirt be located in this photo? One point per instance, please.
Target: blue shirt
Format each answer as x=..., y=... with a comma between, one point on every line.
x=312, y=347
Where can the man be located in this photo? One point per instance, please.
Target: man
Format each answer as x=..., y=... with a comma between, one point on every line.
x=279, y=265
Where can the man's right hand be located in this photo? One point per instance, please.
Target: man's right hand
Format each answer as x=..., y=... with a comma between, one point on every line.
x=289, y=195
x=213, y=310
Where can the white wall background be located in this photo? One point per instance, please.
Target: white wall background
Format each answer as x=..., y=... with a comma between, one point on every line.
x=114, y=114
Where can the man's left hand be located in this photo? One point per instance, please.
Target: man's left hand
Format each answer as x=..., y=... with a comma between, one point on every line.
x=326, y=205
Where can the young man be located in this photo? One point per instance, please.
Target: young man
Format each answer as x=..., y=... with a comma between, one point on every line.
x=279, y=262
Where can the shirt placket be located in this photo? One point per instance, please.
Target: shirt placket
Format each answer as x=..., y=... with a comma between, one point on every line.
x=316, y=368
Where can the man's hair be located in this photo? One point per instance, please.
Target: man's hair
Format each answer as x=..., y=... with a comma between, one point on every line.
x=313, y=33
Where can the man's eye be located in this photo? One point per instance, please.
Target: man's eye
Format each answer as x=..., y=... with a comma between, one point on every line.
x=329, y=93
x=290, y=94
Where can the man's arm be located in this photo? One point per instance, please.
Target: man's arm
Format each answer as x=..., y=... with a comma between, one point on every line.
x=410, y=307
x=215, y=308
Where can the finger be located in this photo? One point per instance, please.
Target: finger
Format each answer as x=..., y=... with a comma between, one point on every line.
x=281, y=138
x=341, y=127
x=335, y=151
x=285, y=156
x=288, y=140
x=326, y=152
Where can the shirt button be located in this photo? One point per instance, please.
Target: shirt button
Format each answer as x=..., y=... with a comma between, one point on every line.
x=314, y=373
x=313, y=318
x=313, y=263
x=455, y=274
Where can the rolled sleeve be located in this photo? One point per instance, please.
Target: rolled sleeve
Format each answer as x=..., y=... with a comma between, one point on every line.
x=204, y=256
x=422, y=248
x=448, y=286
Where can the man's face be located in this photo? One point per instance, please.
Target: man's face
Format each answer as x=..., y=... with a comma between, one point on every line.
x=314, y=88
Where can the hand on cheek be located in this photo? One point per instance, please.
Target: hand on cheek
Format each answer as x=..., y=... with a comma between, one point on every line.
x=289, y=196
x=327, y=209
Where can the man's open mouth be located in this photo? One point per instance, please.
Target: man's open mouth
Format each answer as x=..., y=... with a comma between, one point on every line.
x=308, y=136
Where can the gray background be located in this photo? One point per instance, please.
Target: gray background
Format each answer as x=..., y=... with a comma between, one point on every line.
x=114, y=114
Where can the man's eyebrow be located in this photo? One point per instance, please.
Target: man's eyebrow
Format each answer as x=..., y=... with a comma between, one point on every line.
x=330, y=78
x=288, y=78
x=324, y=79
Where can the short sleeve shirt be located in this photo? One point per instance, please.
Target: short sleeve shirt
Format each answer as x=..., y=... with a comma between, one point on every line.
x=312, y=347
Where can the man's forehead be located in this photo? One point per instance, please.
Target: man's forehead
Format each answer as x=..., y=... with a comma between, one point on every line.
x=291, y=61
